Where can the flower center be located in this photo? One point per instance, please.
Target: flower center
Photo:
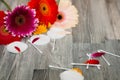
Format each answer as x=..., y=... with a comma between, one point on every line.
x=44, y=9
x=60, y=17
x=20, y=20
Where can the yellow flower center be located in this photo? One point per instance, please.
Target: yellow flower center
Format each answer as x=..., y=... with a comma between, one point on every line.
x=44, y=9
x=40, y=29
x=20, y=20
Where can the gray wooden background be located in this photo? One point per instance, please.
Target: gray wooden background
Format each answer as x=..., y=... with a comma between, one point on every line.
x=98, y=28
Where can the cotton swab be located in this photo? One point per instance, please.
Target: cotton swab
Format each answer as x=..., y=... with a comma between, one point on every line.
x=87, y=66
x=58, y=67
x=98, y=54
x=82, y=64
x=35, y=47
x=54, y=43
x=108, y=53
x=106, y=60
x=89, y=55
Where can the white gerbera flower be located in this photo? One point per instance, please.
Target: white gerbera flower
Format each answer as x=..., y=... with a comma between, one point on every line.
x=67, y=16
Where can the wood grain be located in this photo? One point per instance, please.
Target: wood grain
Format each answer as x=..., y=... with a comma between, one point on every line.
x=98, y=28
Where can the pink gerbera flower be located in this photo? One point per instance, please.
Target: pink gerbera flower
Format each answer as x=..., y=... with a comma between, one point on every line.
x=21, y=21
x=67, y=16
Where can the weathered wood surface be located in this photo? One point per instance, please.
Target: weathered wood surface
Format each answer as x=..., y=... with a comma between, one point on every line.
x=98, y=28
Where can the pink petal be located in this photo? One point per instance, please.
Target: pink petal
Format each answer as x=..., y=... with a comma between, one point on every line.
x=97, y=54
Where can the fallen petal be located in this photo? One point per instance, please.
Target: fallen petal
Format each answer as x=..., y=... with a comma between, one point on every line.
x=97, y=54
x=92, y=61
x=17, y=48
x=34, y=40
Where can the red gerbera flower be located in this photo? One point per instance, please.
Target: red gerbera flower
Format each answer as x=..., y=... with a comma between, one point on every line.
x=1, y=17
x=46, y=10
x=5, y=37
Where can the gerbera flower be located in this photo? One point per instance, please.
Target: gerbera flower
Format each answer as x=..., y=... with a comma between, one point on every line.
x=5, y=37
x=67, y=16
x=46, y=10
x=40, y=29
x=21, y=21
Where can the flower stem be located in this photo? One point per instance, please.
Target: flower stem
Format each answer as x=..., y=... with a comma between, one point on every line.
x=58, y=1
x=5, y=3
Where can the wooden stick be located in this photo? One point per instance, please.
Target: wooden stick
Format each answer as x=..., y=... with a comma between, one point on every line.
x=54, y=43
x=109, y=53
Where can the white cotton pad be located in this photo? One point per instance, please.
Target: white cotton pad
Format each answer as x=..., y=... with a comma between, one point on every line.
x=71, y=75
x=17, y=47
x=40, y=39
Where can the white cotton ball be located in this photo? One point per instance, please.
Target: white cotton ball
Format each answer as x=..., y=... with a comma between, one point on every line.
x=71, y=75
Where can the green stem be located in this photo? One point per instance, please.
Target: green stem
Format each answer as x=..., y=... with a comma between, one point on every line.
x=58, y=1
x=5, y=3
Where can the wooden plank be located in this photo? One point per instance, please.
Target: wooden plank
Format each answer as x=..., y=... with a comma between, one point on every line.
x=81, y=33
x=54, y=74
x=62, y=55
x=6, y=64
x=94, y=24
x=41, y=74
x=2, y=51
x=13, y=4
x=114, y=16
x=46, y=74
